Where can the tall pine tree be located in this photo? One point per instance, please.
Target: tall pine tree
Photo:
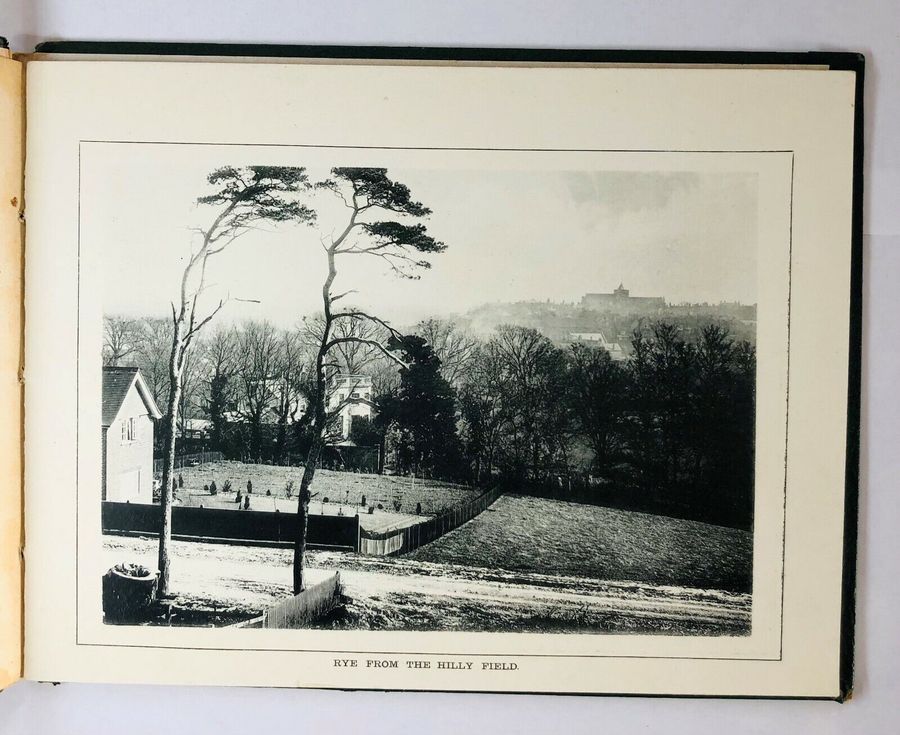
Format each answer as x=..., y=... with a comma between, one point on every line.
x=422, y=412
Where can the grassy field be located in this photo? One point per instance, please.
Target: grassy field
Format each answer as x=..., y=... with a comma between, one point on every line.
x=527, y=534
x=334, y=492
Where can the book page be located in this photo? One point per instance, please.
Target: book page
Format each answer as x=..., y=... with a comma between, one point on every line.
x=485, y=379
x=11, y=162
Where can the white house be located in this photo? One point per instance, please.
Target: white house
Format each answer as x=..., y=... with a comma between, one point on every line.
x=613, y=348
x=127, y=435
x=349, y=396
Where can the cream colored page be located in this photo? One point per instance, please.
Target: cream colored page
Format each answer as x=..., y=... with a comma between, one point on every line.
x=796, y=129
x=11, y=131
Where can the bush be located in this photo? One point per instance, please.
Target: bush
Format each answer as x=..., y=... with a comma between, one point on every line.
x=289, y=489
x=180, y=480
x=226, y=486
x=213, y=490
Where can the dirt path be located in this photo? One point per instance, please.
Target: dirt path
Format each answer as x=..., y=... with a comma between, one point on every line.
x=402, y=594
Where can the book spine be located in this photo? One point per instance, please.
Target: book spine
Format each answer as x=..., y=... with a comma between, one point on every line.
x=12, y=232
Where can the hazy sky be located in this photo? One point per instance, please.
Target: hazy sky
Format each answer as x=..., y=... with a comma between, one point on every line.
x=511, y=235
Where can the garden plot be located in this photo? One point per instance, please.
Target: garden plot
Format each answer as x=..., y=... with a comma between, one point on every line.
x=393, y=501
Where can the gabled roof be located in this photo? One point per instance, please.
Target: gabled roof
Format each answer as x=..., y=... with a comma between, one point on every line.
x=117, y=381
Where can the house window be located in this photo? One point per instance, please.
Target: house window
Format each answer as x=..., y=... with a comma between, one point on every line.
x=355, y=394
x=128, y=430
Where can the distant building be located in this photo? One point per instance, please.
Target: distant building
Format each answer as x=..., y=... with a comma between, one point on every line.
x=197, y=428
x=596, y=338
x=126, y=423
x=349, y=396
x=621, y=301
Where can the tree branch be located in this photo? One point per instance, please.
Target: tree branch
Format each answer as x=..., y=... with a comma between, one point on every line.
x=371, y=342
x=196, y=328
x=342, y=295
x=356, y=314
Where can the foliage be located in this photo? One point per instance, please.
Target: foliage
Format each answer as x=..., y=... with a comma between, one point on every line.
x=421, y=414
x=364, y=432
x=257, y=193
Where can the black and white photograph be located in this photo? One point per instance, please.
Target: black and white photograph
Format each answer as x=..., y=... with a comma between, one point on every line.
x=442, y=354
x=450, y=399
x=442, y=375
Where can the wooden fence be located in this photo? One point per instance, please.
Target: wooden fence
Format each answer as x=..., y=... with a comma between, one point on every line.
x=186, y=459
x=404, y=540
x=305, y=608
x=339, y=533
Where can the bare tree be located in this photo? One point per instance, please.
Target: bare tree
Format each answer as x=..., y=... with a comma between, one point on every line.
x=191, y=377
x=258, y=378
x=121, y=338
x=355, y=353
x=368, y=195
x=152, y=356
x=453, y=347
x=243, y=198
x=293, y=370
x=220, y=366
x=533, y=375
x=385, y=377
x=482, y=411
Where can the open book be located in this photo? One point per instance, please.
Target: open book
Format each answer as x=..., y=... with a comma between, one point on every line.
x=478, y=370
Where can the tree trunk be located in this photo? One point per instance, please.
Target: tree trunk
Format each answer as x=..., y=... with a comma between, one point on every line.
x=166, y=494
x=303, y=498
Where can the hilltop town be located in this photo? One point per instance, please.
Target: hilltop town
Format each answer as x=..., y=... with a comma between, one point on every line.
x=609, y=319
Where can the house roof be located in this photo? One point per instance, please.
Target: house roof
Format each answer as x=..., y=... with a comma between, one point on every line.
x=117, y=382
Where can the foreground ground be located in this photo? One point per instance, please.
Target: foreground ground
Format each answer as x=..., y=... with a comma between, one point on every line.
x=523, y=565
x=236, y=583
